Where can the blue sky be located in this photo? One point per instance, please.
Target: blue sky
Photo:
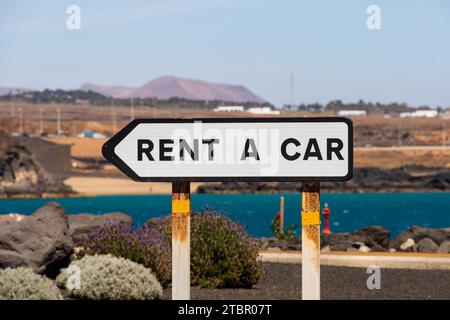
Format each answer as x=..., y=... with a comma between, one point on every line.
x=256, y=43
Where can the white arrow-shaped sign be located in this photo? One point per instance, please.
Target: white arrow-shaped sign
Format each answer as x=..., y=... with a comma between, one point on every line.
x=234, y=149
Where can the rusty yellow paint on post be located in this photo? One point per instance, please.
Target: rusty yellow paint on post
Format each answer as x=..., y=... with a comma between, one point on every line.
x=281, y=215
x=311, y=241
x=181, y=249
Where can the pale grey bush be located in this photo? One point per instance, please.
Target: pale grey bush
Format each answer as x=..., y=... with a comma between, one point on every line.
x=23, y=284
x=110, y=278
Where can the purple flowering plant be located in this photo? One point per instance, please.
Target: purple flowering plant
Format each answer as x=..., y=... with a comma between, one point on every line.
x=223, y=255
x=143, y=245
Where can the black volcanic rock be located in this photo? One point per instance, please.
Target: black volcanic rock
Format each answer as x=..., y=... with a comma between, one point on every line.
x=20, y=173
x=372, y=237
x=403, y=179
x=427, y=245
x=444, y=247
x=83, y=224
x=418, y=233
x=376, y=238
x=41, y=241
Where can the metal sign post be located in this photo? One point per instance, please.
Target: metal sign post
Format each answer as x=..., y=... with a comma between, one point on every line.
x=181, y=241
x=311, y=241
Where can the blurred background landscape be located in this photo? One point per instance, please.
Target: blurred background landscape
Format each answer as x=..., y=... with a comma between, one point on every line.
x=74, y=73
x=398, y=148
x=64, y=91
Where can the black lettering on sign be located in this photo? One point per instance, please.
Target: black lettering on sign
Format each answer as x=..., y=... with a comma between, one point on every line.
x=164, y=148
x=145, y=146
x=336, y=149
x=185, y=146
x=284, y=153
x=312, y=143
x=250, y=143
x=210, y=143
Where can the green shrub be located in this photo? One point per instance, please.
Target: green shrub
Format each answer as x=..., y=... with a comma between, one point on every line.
x=23, y=284
x=223, y=255
x=275, y=227
x=104, y=277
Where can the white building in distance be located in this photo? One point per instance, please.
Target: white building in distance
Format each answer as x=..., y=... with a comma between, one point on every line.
x=263, y=110
x=420, y=114
x=229, y=109
x=350, y=113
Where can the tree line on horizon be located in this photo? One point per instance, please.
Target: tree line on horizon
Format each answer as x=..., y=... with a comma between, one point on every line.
x=369, y=107
x=96, y=99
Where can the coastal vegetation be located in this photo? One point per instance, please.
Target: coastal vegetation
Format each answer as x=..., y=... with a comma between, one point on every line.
x=223, y=255
x=143, y=245
x=108, y=251
x=276, y=231
x=104, y=277
x=23, y=284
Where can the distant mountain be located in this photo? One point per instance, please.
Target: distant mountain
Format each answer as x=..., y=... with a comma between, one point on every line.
x=110, y=91
x=168, y=87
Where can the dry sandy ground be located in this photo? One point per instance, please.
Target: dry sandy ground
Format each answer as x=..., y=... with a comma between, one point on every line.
x=112, y=186
x=394, y=157
x=81, y=147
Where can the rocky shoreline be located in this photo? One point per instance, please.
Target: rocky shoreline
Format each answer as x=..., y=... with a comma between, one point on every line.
x=404, y=179
x=47, y=239
x=373, y=239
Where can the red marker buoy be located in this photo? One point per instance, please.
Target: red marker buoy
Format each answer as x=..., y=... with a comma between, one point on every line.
x=326, y=213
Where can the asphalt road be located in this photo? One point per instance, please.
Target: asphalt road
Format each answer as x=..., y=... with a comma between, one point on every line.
x=283, y=281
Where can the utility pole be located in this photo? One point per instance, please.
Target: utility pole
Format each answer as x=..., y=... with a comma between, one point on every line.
x=292, y=90
x=74, y=128
x=444, y=133
x=114, y=118
x=13, y=111
x=41, y=122
x=132, y=110
x=20, y=122
x=58, y=122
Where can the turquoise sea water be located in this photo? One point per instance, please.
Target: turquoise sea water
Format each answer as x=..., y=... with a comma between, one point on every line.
x=349, y=211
